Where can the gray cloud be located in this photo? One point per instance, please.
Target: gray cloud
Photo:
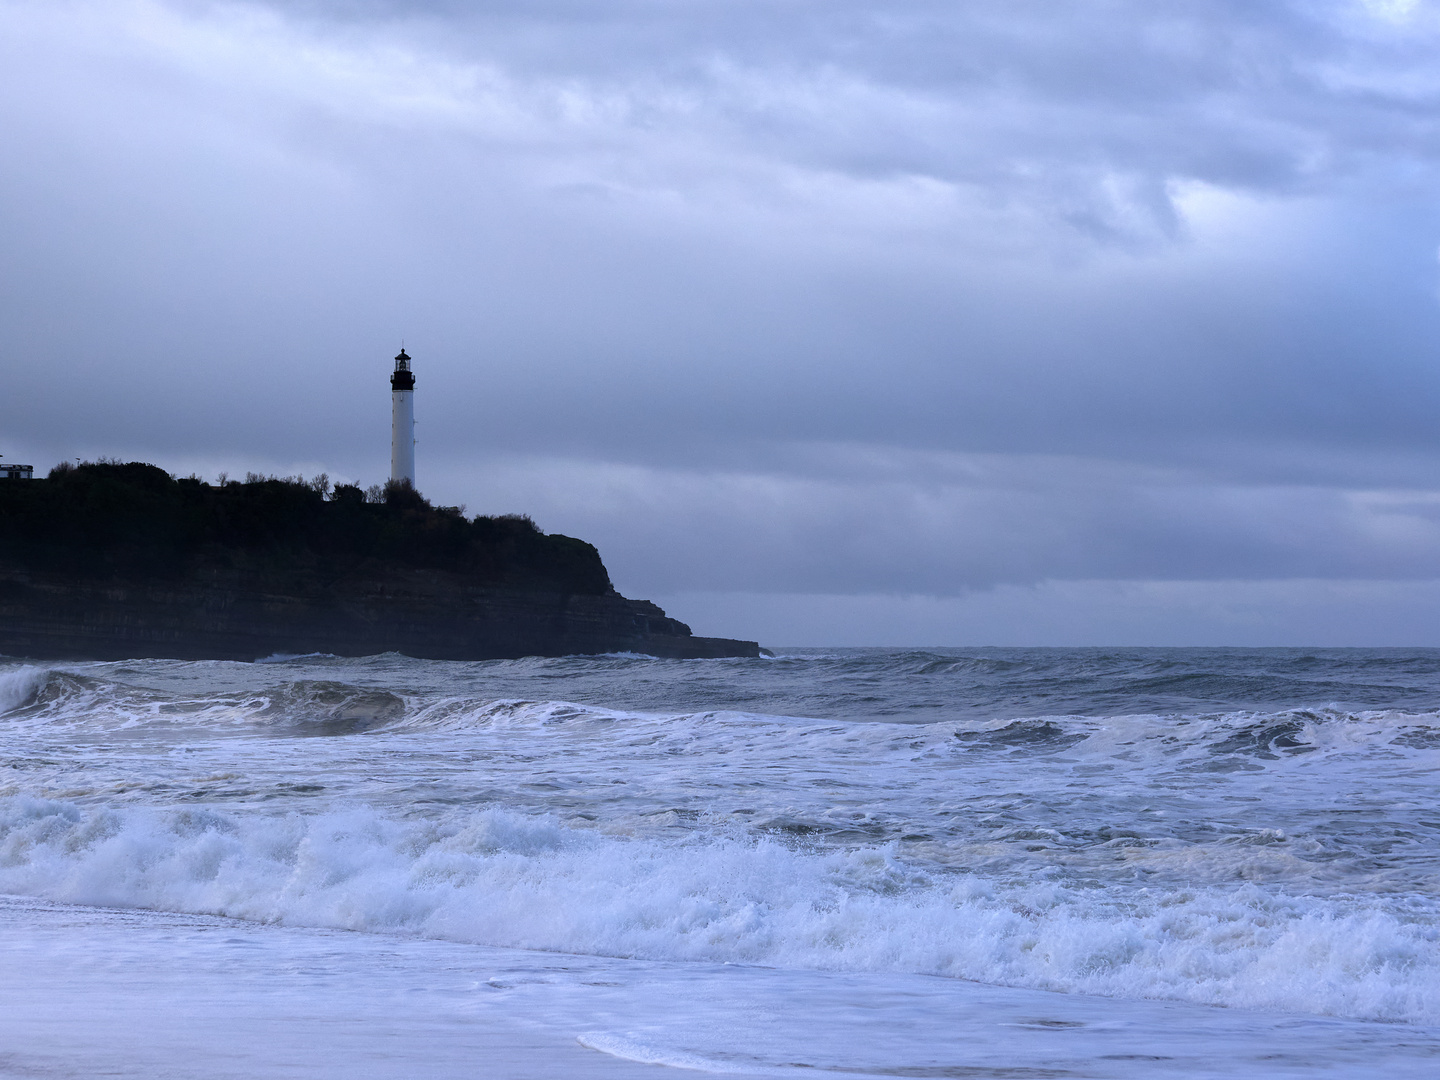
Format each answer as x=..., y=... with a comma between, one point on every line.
x=950, y=524
x=773, y=298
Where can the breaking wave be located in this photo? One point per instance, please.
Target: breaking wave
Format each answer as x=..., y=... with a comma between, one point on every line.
x=993, y=817
x=501, y=878
x=58, y=700
x=19, y=686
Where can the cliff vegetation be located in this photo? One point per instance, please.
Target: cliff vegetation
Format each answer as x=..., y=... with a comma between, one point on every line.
x=114, y=520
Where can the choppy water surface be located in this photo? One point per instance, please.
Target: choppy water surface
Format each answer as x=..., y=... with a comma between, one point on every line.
x=1256, y=829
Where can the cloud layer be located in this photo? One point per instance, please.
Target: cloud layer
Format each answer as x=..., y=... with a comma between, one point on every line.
x=774, y=298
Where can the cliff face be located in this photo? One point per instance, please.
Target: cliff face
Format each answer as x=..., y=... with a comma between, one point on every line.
x=222, y=614
x=120, y=561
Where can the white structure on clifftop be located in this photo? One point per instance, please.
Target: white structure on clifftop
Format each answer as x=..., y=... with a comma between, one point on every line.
x=9, y=471
x=402, y=421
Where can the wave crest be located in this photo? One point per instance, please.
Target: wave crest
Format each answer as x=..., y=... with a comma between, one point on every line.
x=18, y=687
x=500, y=878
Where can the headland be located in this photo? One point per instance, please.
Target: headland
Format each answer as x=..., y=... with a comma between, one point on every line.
x=109, y=561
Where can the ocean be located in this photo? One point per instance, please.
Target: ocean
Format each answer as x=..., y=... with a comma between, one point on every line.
x=1018, y=863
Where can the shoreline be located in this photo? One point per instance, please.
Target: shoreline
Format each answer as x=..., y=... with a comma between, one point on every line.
x=135, y=993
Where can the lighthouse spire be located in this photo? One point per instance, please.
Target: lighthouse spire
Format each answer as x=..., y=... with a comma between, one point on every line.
x=402, y=421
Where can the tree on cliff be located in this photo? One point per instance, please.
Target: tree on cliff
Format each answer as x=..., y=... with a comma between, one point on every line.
x=120, y=520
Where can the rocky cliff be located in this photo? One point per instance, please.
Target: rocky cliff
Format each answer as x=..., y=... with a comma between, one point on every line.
x=116, y=561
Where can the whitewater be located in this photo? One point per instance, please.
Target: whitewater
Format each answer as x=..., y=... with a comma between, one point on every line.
x=920, y=863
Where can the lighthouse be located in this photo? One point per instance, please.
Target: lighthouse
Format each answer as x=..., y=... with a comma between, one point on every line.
x=402, y=422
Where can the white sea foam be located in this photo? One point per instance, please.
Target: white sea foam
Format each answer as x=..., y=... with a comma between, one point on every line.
x=57, y=699
x=1285, y=859
x=503, y=878
x=629, y=1048
x=134, y=995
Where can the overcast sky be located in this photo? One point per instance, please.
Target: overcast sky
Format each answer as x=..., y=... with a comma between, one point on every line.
x=827, y=321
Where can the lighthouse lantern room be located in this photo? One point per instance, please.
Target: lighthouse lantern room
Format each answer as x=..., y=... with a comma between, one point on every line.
x=402, y=421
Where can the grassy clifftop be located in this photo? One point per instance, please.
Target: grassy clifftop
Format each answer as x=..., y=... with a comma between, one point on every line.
x=112, y=520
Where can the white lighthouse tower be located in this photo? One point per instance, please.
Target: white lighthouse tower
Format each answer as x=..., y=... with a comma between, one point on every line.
x=402, y=421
